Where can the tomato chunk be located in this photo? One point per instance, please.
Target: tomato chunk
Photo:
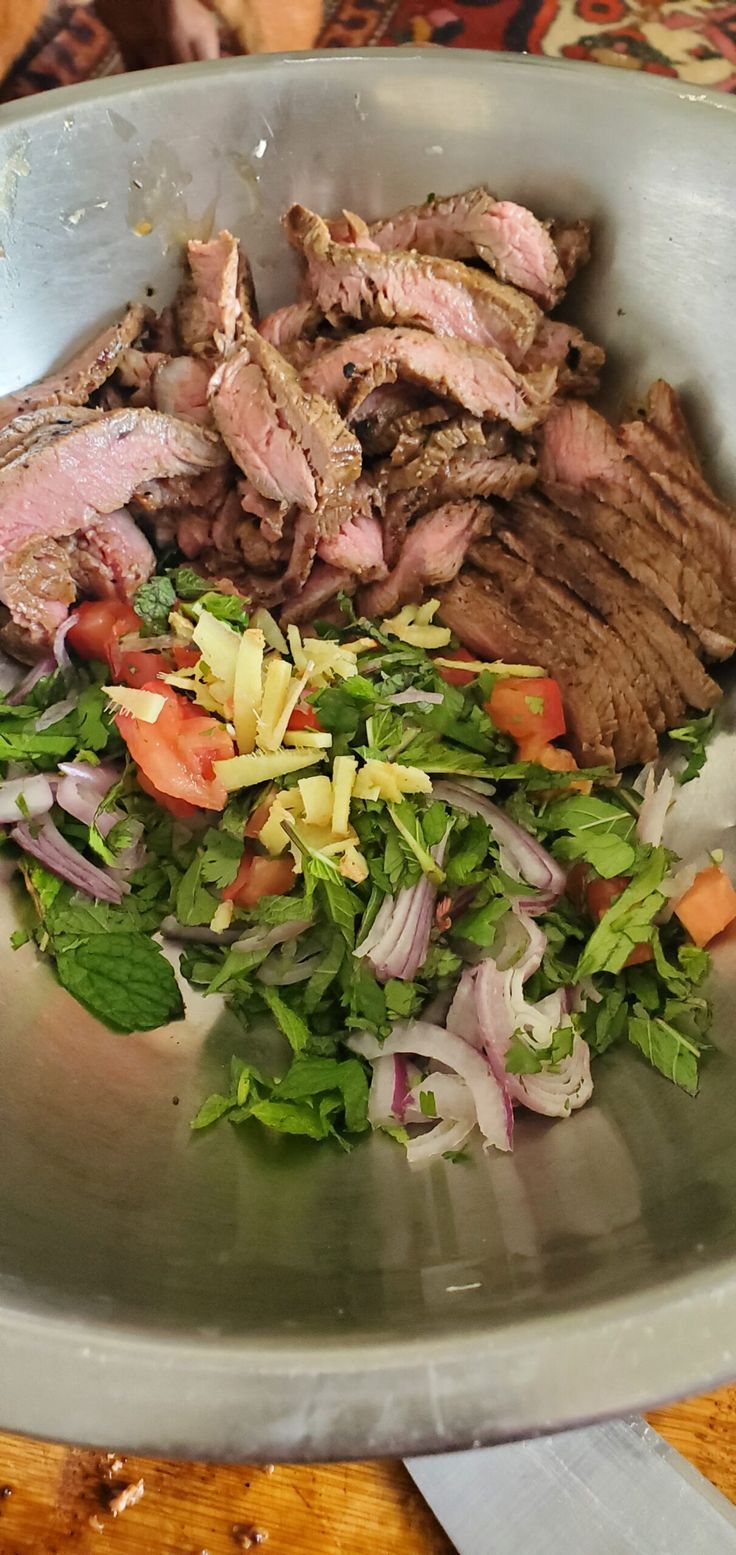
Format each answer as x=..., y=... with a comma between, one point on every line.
x=304, y=717
x=184, y=657
x=709, y=905
x=599, y=896
x=556, y=759
x=458, y=677
x=176, y=753
x=258, y=877
x=529, y=710
x=99, y=623
x=136, y=666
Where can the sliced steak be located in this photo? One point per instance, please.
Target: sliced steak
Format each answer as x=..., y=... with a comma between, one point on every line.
x=270, y=514
x=296, y=322
x=487, y=612
x=532, y=541
x=211, y=301
x=509, y=239
x=290, y=442
x=135, y=369
x=578, y=361
x=596, y=648
x=680, y=480
x=206, y=491
x=305, y=535
x=441, y=295
x=66, y=485
x=579, y=451
x=480, y=379
x=322, y=585
x=554, y=546
x=35, y=429
x=180, y=388
x=432, y=553
x=393, y=410
x=110, y=558
x=357, y=547
x=82, y=375
x=664, y=411
x=193, y=534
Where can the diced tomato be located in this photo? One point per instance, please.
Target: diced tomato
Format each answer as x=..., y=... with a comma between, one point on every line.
x=457, y=677
x=99, y=623
x=556, y=759
x=176, y=753
x=183, y=656
x=529, y=710
x=709, y=905
x=258, y=817
x=136, y=666
x=178, y=807
x=258, y=877
x=599, y=896
x=304, y=717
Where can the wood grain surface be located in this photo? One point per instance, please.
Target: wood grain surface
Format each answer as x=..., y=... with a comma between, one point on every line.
x=58, y=1500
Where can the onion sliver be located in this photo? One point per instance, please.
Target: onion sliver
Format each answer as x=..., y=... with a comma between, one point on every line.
x=422, y=1040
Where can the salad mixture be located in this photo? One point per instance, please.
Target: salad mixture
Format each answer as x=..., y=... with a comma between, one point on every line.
x=363, y=837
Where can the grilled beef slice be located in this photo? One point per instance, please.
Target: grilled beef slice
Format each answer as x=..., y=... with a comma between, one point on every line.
x=432, y=553
x=663, y=650
x=86, y=371
x=288, y=440
x=593, y=645
x=449, y=298
x=214, y=295
x=507, y=237
x=578, y=361
x=57, y=487
x=579, y=452
x=477, y=377
x=487, y=611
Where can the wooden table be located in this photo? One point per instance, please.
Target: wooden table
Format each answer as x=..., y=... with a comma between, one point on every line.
x=58, y=1500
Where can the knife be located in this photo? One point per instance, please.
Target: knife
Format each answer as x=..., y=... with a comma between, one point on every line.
x=611, y=1489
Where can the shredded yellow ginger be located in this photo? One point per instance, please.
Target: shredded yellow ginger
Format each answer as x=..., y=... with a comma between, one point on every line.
x=145, y=705
x=413, y=625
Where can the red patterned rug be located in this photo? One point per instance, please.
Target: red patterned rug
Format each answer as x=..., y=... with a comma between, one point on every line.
x=695, y=40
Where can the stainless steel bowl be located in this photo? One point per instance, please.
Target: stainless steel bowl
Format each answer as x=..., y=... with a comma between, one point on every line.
x=232, y=1295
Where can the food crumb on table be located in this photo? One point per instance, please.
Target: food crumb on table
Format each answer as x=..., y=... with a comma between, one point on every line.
x=128, y=1496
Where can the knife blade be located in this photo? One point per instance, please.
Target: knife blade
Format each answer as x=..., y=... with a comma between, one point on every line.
x=610, y=1489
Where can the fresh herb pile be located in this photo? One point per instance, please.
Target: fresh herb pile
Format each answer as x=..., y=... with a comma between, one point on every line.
x=288, y=960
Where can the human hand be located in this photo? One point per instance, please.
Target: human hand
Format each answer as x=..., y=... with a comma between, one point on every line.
x=161, y=32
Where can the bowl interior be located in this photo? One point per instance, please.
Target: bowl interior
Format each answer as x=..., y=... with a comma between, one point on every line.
x=262, y=1294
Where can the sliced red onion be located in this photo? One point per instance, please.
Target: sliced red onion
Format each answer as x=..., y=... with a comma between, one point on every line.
x=24, y=687
x=34, y=792
x=404, y=698
x=397, y=943
x=280, y=974
x=521, y=856
x=452, y=1098
x=557, y=1092
x=423, y=1040
x=657, y=799
x=449, y=1134
x=10, y=673
x=196, y=934
x=46, y=844
x=81, y=791
x=265, y=939
x=401, y=1088
x=381, y=1094
x=60, y=650
x=55, y=713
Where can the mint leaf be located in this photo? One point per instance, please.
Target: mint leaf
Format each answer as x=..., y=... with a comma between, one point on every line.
x=153, y=602
x=521, y=1059
x=601, y=833
x=213, y=1108
x=225, y=607
x=665, y=1048
x=295, y=1029
x=695, y=737
x=325, y=975
x=122, y=979
x=628, y=922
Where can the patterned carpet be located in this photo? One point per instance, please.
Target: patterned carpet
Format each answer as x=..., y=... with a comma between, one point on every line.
x=695, y=41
